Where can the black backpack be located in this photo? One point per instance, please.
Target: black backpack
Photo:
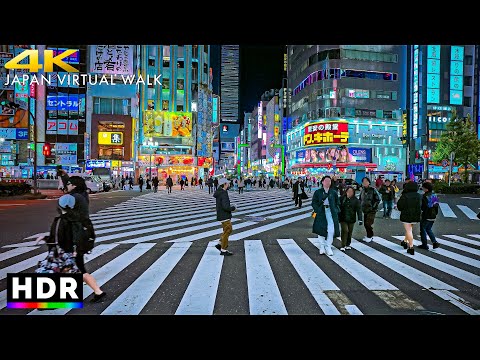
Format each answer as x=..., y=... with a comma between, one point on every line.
x=86, y=240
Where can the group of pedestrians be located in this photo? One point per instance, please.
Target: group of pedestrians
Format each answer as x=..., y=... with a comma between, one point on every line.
x=332, y=212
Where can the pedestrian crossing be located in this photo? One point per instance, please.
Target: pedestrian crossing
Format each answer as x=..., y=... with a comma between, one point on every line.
x=155, y=254
x=402, y=283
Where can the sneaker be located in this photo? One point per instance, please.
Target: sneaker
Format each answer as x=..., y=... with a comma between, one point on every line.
x=348, y=248
x=411, y=251
x=219, y=247
x=97, y=298
x=226, y=253
x=436, y=245
x=329, y=251
x=342, y=249
x=367, y=239
x=404, y=244
x=322, y=249
x=425, y=247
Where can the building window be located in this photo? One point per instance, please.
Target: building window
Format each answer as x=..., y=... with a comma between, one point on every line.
x=180, y=84
x=165, y=83
x=166, y=63
x=468, y=60
x=151, y=62
x=111, y=106
x=195, y=51
x=467, y=80
x=166, y=51
x=205, y=68
x=165, y=105
x=467, y=101
x=180, y=64
x=179, y=107
x=194, y=71
x=205, y=49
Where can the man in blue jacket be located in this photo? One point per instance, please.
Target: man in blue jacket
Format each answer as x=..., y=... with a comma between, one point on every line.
x=224, y=215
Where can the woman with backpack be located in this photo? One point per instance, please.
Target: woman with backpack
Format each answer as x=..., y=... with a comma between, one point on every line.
x=430, y=206
x=410, y=205
x=350, y=211
x=78, y=189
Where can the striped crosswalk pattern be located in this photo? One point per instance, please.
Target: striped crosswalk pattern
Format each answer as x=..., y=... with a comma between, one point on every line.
x=161, y=256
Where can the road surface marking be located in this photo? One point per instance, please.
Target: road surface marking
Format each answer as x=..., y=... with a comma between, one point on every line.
x=433, y=263
x=353, y=310
x=469, y=212
x=199, y=298
x=462, y=239
x=264, y=297
x=137, y=295
x=447, y=211
x=105, y=274
x=15, y=252
x=314, y=278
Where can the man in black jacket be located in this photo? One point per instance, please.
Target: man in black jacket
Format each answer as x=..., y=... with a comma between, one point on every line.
x=224, y=215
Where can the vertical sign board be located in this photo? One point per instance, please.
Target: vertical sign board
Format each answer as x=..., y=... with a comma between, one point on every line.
x=415, y=91
x=433, y=74
x=456, y=75
x=260, y=120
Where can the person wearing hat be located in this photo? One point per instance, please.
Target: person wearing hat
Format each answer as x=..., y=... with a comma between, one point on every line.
x=430, y=206
x=224, y=215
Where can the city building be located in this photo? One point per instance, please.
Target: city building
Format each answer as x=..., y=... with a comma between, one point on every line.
x=246, y=138
x=173, y=111
x=346, y=109
x=230, y=83
x=441, y=81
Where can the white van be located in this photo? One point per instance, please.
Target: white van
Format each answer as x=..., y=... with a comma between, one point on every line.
x=93, y=185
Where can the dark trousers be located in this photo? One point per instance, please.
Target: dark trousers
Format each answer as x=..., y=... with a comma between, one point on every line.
x=169, y=189
x=347, y=230
x=298, y=200
x=426, y=228
x=240, y=190
x=387, y=208
x=369, y=218
x=210, y=189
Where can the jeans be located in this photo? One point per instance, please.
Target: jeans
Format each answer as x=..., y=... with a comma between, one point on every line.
x=369, y=218
x=387, y=208
x=298, y=200
x=347, y=230
x=240, y=189
x=227, y=230
x=426, y=228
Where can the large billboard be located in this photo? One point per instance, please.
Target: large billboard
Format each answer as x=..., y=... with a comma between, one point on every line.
x=324, y=133
x=204, y=123
x=158, y=123
x=66, y=153
x=111, y=59
x=341, y=154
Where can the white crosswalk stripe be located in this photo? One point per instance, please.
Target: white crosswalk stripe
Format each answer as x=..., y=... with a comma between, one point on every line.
x=447, y=210
x=443, y=272
x=468, y=212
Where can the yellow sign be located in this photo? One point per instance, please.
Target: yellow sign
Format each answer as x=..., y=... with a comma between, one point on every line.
x=110, y=138
x=404, y=128
x=33, y=66
x=165, y=123
x=116, y=163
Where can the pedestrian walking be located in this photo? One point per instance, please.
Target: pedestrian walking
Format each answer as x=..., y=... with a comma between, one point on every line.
x=430, y=206
x=350, y=212
x=169, y=183
x=298, y=192
x=210, y=185
x=215, y=184
x=396, y=190
x=224, y=215
x=410, y=205
x=122, y=182
x=155, y=184
x=148, y=185
x=241, y=185
x=140, y=182
x=326, y=207
x=130, y=183
x=182, y=183
x=200, y=183
x=369, y=200
x=78, y=189
x=388, y=196
x=309, y=185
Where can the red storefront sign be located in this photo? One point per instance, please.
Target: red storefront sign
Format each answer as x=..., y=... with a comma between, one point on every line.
x=324, y=133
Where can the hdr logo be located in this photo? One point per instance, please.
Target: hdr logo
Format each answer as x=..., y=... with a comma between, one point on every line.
x=49, y=59
x=44, y=291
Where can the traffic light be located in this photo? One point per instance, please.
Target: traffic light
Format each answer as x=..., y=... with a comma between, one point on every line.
x=426, y=154
x=47, y=149
x=417, y=154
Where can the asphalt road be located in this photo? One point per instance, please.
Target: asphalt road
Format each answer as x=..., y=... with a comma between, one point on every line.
x=276, y=267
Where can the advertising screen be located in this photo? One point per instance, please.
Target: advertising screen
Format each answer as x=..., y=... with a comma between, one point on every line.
x=164, y=123
x=341, y=154
x=332, y=132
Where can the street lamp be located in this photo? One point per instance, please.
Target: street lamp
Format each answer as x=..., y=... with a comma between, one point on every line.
x=151, y=146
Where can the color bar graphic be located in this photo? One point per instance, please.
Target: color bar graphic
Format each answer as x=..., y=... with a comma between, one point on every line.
x=45, y=305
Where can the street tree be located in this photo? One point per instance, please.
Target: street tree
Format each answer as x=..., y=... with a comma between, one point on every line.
x=461, y=139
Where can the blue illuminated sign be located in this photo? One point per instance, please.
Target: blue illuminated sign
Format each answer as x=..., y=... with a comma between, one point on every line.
x=433, y=66
x=456, y=75
x=456, y=97
x=457, y=53
x=433, y=74
x=433, y=52
x=433, y=96
x=433, y=81
x=456, y=68
x=62, y=102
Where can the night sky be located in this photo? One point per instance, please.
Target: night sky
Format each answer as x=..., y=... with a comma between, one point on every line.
x=261, y=69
